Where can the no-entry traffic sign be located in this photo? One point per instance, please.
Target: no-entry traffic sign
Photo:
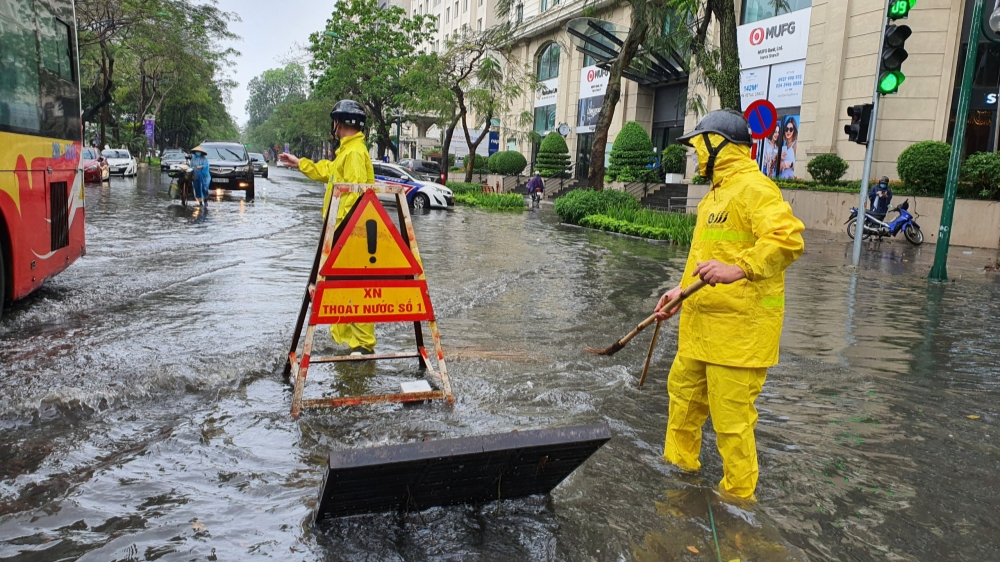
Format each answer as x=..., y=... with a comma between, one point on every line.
x=762, y=117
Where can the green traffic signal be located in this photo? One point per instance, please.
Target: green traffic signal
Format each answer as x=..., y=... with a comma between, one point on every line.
x=889, y=82
x=900, y=8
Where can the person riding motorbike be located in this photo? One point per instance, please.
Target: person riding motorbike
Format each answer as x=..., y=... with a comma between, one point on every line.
x=744, y=239
x=202, y=174
x=879, y=197
x=351, y=164
x=536, y=184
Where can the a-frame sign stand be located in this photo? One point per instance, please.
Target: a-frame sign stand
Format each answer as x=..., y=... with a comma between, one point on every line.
x=366, y=270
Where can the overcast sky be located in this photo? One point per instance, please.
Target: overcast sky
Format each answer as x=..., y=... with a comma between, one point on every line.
x=270, y=31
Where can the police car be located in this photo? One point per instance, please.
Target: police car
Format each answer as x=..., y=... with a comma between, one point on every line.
x=419, y=194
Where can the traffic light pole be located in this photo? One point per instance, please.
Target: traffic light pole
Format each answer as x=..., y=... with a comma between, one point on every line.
x=940, y=270
x=859, y=228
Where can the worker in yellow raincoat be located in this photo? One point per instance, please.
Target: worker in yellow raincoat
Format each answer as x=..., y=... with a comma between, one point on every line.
x=351, y=164
x=744, y=239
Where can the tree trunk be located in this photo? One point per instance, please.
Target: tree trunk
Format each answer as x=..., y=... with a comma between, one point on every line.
x=446, y=145
x=728, y=86
x=637, y=34
x=470, y=165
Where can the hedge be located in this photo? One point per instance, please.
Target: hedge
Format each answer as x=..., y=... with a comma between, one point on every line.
x=458, y=187
x=923, y=167
x=497, y=201
x=673, y=160
x=508, y=163
x=553, y=157
x=631, y=155
x=579, y=203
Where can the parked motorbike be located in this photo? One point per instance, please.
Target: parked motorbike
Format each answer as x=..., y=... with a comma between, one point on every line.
x=874, y=227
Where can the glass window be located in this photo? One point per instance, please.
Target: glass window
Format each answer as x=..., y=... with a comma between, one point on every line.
x=455, y=11
x=479, y=24
x=545, y=5
x=755, y=10
x=19, y=95
x=54, y=39
x=548, y=62
x=545, y=118
x=519, y=13
x=447, y=14
x=465, y=6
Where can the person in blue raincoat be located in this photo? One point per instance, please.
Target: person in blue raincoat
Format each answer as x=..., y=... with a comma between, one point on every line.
x=202, y=175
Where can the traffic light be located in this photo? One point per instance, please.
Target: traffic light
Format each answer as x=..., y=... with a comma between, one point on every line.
x=900, y=8
x=861, y=118
x=892, y=57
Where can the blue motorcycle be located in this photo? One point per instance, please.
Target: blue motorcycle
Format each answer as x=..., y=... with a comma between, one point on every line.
x=874, y=227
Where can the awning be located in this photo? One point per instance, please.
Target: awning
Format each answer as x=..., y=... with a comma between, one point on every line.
x=602, y=40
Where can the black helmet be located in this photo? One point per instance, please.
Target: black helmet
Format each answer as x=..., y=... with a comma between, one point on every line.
x=726, y=122
x=349, y=112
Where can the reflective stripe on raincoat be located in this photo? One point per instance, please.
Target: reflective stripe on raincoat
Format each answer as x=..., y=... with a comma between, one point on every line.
x=743, y=220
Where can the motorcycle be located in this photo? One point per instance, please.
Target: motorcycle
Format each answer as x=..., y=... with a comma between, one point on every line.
x=874, y=227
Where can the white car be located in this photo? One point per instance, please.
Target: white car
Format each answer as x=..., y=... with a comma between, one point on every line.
x=419, y=194
x=120, y=161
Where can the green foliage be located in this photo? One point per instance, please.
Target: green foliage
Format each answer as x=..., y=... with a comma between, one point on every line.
x=495, y=201
x=507, y=163
x=699, y=179
x=479, y=163
x=827, y=168
x=675, y=227
x=302, y=123
x=631, y=155
x=553, y=157
x=981, y=175
x=272, y=88
x=363, y=54
x=923, y=167
x=580, y=203
x=673, y=160
x=458, y=187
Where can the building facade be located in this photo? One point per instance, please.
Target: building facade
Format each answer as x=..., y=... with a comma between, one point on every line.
x=811, y=58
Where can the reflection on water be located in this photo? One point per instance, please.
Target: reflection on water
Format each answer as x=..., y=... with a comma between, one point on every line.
x=144, y=417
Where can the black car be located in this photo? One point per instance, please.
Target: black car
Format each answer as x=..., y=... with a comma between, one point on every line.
x=230, y=167
x=426, y=170
x=259, y=164
x=172, y=157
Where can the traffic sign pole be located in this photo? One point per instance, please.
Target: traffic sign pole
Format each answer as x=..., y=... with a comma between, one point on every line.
x=940, y=270
x=859, y=229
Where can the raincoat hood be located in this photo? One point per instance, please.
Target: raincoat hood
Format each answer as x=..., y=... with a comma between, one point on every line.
x=717, y=163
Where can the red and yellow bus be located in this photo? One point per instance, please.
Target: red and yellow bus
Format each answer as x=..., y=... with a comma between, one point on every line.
x=41, y=182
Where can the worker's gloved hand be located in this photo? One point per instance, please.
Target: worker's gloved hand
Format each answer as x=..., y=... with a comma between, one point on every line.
x=667, y=297
x=714, y=271
x=289, y=160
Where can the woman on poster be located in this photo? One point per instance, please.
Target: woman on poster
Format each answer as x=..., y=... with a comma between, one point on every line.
x=791, y=129
x=769, y=155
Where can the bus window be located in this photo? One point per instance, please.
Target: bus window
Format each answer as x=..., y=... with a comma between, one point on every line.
x=19, y=95
x=57, y=51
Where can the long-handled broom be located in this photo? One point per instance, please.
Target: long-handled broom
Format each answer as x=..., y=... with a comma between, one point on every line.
x=618, y=345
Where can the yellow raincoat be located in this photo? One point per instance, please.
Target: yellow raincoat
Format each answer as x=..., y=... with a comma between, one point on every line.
x=729, y=334
x=351, y=165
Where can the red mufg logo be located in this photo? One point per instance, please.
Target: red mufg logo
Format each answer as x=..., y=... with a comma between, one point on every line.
x=757, y=36
x=590, y=75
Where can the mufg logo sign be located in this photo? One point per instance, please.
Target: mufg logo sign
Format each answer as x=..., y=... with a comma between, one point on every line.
x=759, y=34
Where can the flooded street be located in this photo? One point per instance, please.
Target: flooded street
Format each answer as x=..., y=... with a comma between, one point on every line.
x=144, y=415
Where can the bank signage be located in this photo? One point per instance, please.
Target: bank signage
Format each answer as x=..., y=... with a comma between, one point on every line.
x=774, y=40
x=593, y=85
x=546, y=92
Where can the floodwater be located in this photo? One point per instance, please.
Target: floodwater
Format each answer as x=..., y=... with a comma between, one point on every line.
x=143, y=415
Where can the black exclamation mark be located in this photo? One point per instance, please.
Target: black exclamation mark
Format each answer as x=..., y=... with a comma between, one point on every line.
x=371, y=227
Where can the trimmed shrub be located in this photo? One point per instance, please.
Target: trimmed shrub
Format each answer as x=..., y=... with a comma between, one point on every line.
x=645, y=223
x=923, y=167
x=459, y=187
x=478, y=162
x=699, y=179
x=631, y=155
x=981, y=174
x=674, y=159
x=553, y=157
x=507, y=163
x=496, y=201
x=580, y=203
x=827, y=168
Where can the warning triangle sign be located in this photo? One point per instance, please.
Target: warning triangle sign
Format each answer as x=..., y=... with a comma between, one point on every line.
x=369, y=245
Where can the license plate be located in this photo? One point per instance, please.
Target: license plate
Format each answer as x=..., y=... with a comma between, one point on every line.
x=220, y=180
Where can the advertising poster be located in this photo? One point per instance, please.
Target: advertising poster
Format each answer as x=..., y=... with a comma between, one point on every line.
x=753, y=85
x=789, y=144
x=547, y=92
x=786, y=84
x=149, y=129
x=593, y=85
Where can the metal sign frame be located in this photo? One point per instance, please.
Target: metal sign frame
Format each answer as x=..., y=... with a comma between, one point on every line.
x=297, y=365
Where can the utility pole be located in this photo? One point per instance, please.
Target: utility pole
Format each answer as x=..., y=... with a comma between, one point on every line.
x=940, y=270
x=859, y=229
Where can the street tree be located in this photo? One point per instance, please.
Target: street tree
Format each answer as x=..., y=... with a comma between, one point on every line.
x=273, y=87
x=363, y=54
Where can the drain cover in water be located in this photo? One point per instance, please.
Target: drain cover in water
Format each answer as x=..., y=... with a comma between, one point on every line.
x=416, y=476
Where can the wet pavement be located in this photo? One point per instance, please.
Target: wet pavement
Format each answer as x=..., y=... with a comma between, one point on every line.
x=143, y=415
